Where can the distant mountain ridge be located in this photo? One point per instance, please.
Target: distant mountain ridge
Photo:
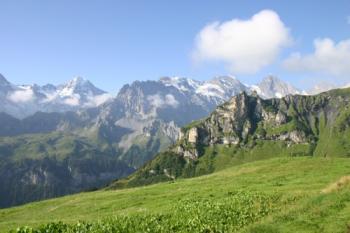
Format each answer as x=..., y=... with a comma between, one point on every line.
x=224, y=87
x=22, y=101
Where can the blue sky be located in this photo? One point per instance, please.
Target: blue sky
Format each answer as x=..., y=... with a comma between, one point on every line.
x=113, y=43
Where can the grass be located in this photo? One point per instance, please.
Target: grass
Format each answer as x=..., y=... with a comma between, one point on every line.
x=294, y=184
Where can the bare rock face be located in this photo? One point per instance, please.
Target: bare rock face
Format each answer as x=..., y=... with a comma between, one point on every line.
x=297, y=136
x=193, y=154
x=188, y=153
x=245, y=118
x=227, y=123
x=281, y=118
x=230, y=140
x=268, y=116
x=193, y=135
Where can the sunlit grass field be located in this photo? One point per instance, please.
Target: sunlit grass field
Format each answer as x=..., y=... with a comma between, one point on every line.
x=299, y=194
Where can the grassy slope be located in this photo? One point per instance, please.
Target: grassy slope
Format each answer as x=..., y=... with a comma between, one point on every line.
x=298, y=179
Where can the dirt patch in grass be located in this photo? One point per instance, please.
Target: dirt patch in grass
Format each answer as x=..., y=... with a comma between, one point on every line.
x=336, y=186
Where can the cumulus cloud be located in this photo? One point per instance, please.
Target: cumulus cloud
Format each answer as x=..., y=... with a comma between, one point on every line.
x=245, y=46
x=159, y=101
x=328, y=58
x=24, y=95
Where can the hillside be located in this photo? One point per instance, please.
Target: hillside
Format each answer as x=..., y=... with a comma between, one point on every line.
x=39, y=166
x=293, y=194
x=249, y=128
x=49, y=149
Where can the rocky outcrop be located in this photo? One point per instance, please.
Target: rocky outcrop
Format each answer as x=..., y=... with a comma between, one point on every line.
x=193, y=135
x=245, y=118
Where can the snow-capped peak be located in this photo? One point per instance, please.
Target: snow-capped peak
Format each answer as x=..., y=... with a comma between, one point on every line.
x=219, y=88
x=79, y=86
x=75, y=83
x=272, y=86
x=183, y=84
x=78, y=81
x=24, y=100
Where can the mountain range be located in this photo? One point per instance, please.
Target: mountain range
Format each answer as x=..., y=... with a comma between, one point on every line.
x=278, y=165
x=21, y=101
x=77, y=135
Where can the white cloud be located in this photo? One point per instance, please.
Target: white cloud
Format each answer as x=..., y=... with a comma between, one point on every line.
x=245, y=45
x=328, y=58
x=72, y=101
x=171, y=101
x=159, y=101
x=98, y=100
x=24, y=95
x=50, y=97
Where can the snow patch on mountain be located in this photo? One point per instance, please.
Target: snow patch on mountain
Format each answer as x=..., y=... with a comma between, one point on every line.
x=182, y=84
x=210, y=90
x=219, y=87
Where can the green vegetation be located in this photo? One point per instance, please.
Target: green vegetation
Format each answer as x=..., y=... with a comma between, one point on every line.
x=144, y=148
x=39, y=166
x=201, y=215
x=289, y=194
x=285, y=128
x=193, y=124
x=56, y=145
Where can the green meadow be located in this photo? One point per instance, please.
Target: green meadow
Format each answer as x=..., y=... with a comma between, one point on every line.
x=294, y=194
